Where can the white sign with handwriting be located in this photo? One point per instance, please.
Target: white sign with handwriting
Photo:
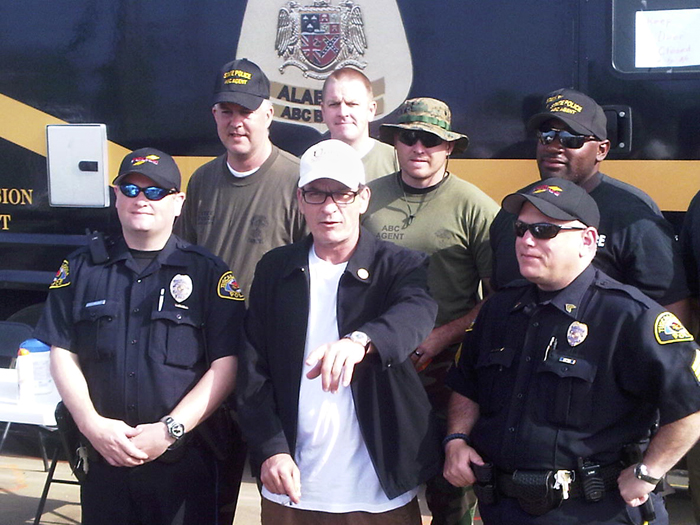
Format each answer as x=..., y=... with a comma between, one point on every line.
x=667, y=38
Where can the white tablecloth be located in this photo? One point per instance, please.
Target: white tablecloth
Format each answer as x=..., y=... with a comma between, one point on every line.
x=38, y=411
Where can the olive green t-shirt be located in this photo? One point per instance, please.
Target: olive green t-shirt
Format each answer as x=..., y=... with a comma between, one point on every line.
x=450, y=223
x=379, y=161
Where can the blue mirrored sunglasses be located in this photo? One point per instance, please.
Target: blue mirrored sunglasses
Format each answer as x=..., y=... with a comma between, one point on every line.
x=152, y=193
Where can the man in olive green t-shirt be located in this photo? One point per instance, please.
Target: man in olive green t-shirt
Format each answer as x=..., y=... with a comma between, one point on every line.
x=424, y=207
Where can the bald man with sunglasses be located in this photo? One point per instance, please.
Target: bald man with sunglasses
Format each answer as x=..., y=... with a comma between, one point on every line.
x=144, y=336
x=636, y=245
x=562, y=377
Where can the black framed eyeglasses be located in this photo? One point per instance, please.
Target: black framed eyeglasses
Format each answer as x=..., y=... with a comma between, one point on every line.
x=341, y=198
x=411, y=136
x=152, y=193
x=541, y=230
x=566, y=139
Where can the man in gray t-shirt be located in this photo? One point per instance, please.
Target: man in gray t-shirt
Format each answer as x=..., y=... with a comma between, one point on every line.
x=242, y=204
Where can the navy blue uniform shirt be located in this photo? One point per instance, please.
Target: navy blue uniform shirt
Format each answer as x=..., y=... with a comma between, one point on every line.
x=578, y=375
x=143, y=338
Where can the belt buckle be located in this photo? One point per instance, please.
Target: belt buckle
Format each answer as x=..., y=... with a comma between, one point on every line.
x=563, y=480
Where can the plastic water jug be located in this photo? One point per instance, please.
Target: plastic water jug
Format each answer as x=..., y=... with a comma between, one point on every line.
x=34, y=369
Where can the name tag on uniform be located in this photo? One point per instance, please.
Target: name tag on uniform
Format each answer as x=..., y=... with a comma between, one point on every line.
x=95, y=303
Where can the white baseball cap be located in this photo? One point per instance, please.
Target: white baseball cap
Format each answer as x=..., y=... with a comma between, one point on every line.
x=332, y=159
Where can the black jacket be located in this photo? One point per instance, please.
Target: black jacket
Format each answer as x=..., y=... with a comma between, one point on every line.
x=382, y=293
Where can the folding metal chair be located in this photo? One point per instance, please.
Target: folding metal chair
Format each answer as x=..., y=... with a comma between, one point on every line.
x=69, y=437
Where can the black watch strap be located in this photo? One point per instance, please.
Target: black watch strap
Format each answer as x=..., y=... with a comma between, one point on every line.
x=641, y=472
x=176, y=430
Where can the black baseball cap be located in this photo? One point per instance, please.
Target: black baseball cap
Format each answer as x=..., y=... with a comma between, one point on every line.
x=578, y=111
x=152, y=163
x=242, y=82
x=557, y=198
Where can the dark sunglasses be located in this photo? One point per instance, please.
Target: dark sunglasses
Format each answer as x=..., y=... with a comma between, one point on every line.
x=411, y=136
x=541, y=230
x=152, y=193
x=566, y=139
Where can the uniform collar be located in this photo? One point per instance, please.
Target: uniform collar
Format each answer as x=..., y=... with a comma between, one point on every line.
x=568, y=300
x=170, y=255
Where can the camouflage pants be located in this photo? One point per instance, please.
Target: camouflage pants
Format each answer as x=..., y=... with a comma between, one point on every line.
x=448, y=504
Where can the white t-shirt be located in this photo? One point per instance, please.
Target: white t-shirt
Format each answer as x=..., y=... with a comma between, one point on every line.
x=241, y=174
x=337, y=474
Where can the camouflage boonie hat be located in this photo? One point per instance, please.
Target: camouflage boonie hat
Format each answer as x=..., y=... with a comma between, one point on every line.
x=425, y=114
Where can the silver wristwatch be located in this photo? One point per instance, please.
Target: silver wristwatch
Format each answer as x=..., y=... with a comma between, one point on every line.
x=360, y=338
x=642, y=472
x=176, y=430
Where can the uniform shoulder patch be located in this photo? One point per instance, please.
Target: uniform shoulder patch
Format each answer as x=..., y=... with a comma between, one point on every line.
x=228, y=287
x=695, y=366
x=668, y=329
x=62, y=277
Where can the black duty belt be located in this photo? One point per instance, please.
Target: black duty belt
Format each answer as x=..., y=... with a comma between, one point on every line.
x=539, y=491
x=514, y=484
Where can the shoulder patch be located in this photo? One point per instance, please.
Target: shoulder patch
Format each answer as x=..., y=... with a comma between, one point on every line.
x=668, y=329
x=62, y=277
x=695, y=366
x=228, y=288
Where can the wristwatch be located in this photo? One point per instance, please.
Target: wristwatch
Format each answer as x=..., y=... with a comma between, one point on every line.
x=175, y=430
x=641, y=472
x=359, y=337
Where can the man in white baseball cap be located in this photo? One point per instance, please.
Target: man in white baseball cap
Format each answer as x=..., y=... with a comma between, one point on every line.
x=355, y=445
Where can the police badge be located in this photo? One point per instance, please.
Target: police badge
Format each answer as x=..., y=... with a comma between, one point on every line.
x=577, y=333
x=181, y=287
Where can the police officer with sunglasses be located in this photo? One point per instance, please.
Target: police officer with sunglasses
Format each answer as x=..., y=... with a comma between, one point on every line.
x=562, y=377
x=144, y=339
x=636, y=245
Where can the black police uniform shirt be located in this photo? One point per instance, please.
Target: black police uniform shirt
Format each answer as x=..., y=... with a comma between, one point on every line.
x=690, y=243
x=143, y=338
x=578, y=375
x=637, y=246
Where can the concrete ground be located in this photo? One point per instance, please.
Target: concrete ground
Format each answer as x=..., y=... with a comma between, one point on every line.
x=22, y=479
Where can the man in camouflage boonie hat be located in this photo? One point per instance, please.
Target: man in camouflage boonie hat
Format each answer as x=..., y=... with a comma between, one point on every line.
x=425, y=207
x=425, y=114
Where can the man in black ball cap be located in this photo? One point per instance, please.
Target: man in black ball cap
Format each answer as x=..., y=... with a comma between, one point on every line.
x=144, y=342
x=562, y=377
x=243, y=203
x=636, y=245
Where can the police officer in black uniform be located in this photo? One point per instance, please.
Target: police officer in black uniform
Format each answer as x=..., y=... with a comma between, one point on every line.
x=562, y=378
x=144, y=335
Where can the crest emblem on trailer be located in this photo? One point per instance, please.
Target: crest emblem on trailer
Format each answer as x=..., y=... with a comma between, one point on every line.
x=298, y=43
x=321, y=37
